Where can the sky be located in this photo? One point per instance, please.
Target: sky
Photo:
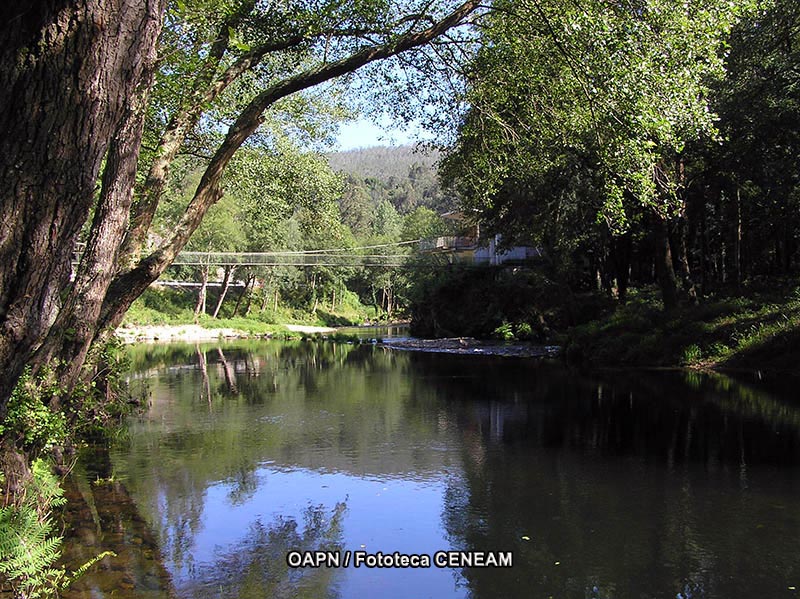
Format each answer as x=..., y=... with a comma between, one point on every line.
x=364, y=133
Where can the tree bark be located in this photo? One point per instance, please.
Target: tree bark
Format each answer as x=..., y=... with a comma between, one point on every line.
x=688, y=289
x=226, y=283
x=200, y=306
x=665, y=272
x=230, y=378
x=67, y=74
x=74, y=330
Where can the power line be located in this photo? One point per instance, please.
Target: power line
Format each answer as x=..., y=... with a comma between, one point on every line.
x=307, y=252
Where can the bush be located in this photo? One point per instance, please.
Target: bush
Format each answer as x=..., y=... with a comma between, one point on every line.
x=691, y=354
x=483, y=302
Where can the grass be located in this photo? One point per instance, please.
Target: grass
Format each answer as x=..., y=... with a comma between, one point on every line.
x=757, y=331
x=175, y=307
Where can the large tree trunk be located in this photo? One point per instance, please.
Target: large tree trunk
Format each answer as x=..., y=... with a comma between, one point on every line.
x=665, y=272
x=75, y=328
x=688, y=289
x=67, y=73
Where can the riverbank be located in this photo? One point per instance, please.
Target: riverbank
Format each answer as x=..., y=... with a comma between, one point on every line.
x=757, y=332
x=760, y=332
x=472, y=346
x=457, y=345
x=131, y=333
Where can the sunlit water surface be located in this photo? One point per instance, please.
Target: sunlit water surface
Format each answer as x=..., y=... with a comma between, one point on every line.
x=636, y=485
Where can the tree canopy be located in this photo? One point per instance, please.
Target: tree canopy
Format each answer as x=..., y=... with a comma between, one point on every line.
x=188, y=77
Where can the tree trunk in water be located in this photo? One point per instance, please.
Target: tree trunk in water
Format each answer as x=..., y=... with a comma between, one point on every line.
x=230, y=379
x=226, y=283
x=665, y=273
x=67, y=74
x=201, y=360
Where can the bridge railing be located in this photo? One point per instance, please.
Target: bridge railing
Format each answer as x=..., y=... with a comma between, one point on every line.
x=287, y=259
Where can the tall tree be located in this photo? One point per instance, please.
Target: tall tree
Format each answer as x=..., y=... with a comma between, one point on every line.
x=622, y=85
x=76, y=81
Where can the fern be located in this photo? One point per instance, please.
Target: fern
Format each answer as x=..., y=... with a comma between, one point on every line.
x=28, y=552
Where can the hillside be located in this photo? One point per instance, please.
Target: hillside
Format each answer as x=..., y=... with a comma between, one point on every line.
x=382, y=162
x=402, y=176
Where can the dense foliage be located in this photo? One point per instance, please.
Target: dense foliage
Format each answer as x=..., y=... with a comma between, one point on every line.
x=288, y=200
x=638, y=143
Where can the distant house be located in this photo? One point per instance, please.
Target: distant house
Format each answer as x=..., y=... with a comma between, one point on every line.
x=470, y=247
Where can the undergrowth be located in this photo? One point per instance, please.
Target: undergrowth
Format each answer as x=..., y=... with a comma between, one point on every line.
x=170, y=307
x=760, y=330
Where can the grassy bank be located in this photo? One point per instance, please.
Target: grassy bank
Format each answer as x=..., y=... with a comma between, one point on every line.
x=756, y=331
x=176, y=307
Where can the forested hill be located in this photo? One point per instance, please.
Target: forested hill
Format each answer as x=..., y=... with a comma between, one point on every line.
x=382, y=162
x=405, y=177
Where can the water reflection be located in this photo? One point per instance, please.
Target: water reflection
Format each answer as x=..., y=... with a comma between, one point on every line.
x=633, y=485
x=256, y=565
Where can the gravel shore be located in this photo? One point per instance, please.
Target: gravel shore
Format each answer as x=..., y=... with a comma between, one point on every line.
x=471, y=346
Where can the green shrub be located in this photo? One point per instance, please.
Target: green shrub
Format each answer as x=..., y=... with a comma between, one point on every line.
x=691, y=354
x=29, y=423
x=505, y=332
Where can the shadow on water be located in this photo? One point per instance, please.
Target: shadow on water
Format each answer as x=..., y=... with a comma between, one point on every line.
x=99, y=516
x=627, y=485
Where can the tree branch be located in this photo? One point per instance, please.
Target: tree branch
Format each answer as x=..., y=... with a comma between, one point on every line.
x=129, y=285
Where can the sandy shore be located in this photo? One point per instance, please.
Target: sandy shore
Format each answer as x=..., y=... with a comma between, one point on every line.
x=195, y=332
x=183, y=332
x=301, y=328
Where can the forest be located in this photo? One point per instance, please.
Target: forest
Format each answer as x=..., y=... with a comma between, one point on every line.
x=648, y=150
x=383, y=200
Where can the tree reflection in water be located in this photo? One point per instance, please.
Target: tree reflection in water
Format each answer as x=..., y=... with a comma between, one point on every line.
x=630, y=485
x=256, y=566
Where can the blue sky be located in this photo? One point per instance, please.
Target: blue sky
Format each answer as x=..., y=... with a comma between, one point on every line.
x=364, y=133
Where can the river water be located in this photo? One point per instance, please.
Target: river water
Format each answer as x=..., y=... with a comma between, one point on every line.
x=622, y=485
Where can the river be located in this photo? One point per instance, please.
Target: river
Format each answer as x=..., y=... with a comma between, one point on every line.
x=621, y=485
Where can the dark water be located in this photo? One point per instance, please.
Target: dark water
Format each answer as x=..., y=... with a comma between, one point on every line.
x=637, y=485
